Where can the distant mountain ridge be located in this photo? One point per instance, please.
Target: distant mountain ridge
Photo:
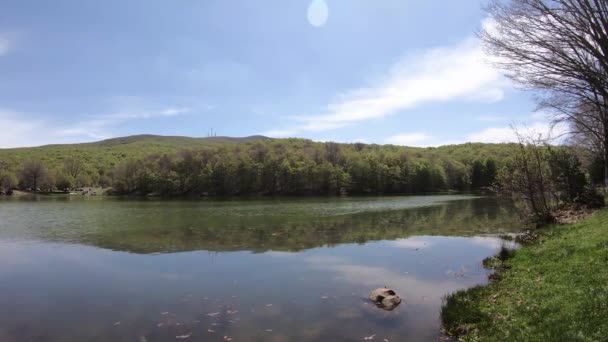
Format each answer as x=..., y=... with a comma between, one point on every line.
x=177, y=140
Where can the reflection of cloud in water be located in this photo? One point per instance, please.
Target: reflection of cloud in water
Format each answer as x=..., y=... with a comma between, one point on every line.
x=419, y=242
x=15, y=257
x=492, y=242
x=280, y=254
x=412, y=243
x=411, y=289
x=421, y=297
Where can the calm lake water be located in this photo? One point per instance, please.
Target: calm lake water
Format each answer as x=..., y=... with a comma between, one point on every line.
x=107, y=269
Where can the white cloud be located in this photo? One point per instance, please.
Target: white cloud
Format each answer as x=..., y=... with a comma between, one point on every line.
x=494, y=135
x=409, y=139
x=26, y=130
x=535, y=125
x=21, y=130
x=441, y=74
x=280, y=133
x=87, y=129
x=17, y=131
x=506, y=134
x=97, y=126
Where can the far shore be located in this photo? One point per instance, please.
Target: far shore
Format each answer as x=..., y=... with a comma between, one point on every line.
x=107, y=192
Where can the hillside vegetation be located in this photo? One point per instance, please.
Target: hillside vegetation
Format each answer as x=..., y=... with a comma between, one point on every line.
x=164, y=165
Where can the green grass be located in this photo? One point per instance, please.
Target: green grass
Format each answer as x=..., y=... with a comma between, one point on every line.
x=553, y=290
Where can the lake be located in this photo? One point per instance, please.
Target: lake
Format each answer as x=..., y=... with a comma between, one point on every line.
x=284, y=269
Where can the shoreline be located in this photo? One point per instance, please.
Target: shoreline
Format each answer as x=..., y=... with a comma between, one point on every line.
x=106, y=192
x=552, y=288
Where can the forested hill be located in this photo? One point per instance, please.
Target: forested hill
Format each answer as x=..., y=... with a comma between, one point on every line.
x=168, y=165
x=147, y=139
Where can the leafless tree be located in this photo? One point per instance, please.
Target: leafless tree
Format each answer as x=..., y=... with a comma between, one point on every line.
x=528, y=177
x=332, y=152
x=8, y=182
x=33, y=173
x=73, y=167
x=560, y=49
x=586, y=134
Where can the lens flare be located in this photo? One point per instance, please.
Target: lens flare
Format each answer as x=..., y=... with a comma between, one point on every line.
x=318, y=13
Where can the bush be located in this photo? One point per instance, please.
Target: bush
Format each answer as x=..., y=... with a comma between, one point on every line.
x=591, y=198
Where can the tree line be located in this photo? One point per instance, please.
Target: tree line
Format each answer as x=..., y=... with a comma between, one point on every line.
x=277, y=167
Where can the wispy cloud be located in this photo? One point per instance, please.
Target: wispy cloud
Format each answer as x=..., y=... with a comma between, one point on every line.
x=24, y=129
x=437, y=75
x=507, y=134
x=98, y=126
x=281, y=133
x=535, y=125
x=410, y=139
x=421, y=139
x=18, y=131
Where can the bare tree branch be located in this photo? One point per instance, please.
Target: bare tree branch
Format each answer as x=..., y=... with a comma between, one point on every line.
x=560, y=49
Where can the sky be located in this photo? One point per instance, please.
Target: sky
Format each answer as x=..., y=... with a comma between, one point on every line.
x=405, y=72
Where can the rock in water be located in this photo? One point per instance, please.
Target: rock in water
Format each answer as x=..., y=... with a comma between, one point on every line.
x=385, y=298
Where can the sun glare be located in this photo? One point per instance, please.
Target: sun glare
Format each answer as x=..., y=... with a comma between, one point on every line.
x=318, y=13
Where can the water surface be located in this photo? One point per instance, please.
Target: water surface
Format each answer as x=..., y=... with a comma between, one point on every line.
x=107, y=269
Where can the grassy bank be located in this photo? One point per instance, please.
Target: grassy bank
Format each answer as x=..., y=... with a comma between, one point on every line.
x=555, y=289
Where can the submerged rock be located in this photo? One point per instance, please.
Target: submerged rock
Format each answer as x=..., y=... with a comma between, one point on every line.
x=385, y=298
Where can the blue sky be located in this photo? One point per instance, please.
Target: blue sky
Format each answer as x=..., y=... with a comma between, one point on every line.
x=388, y=71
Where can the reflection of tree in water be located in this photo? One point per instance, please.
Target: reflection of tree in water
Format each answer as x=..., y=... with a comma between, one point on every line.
x=488, y=207
x=477, y=216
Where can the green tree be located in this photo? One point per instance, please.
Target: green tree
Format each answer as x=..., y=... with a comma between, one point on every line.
x=477, y=175
x=491, y=171
x=64, y=181
x=567, y=175
x=8, y=181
